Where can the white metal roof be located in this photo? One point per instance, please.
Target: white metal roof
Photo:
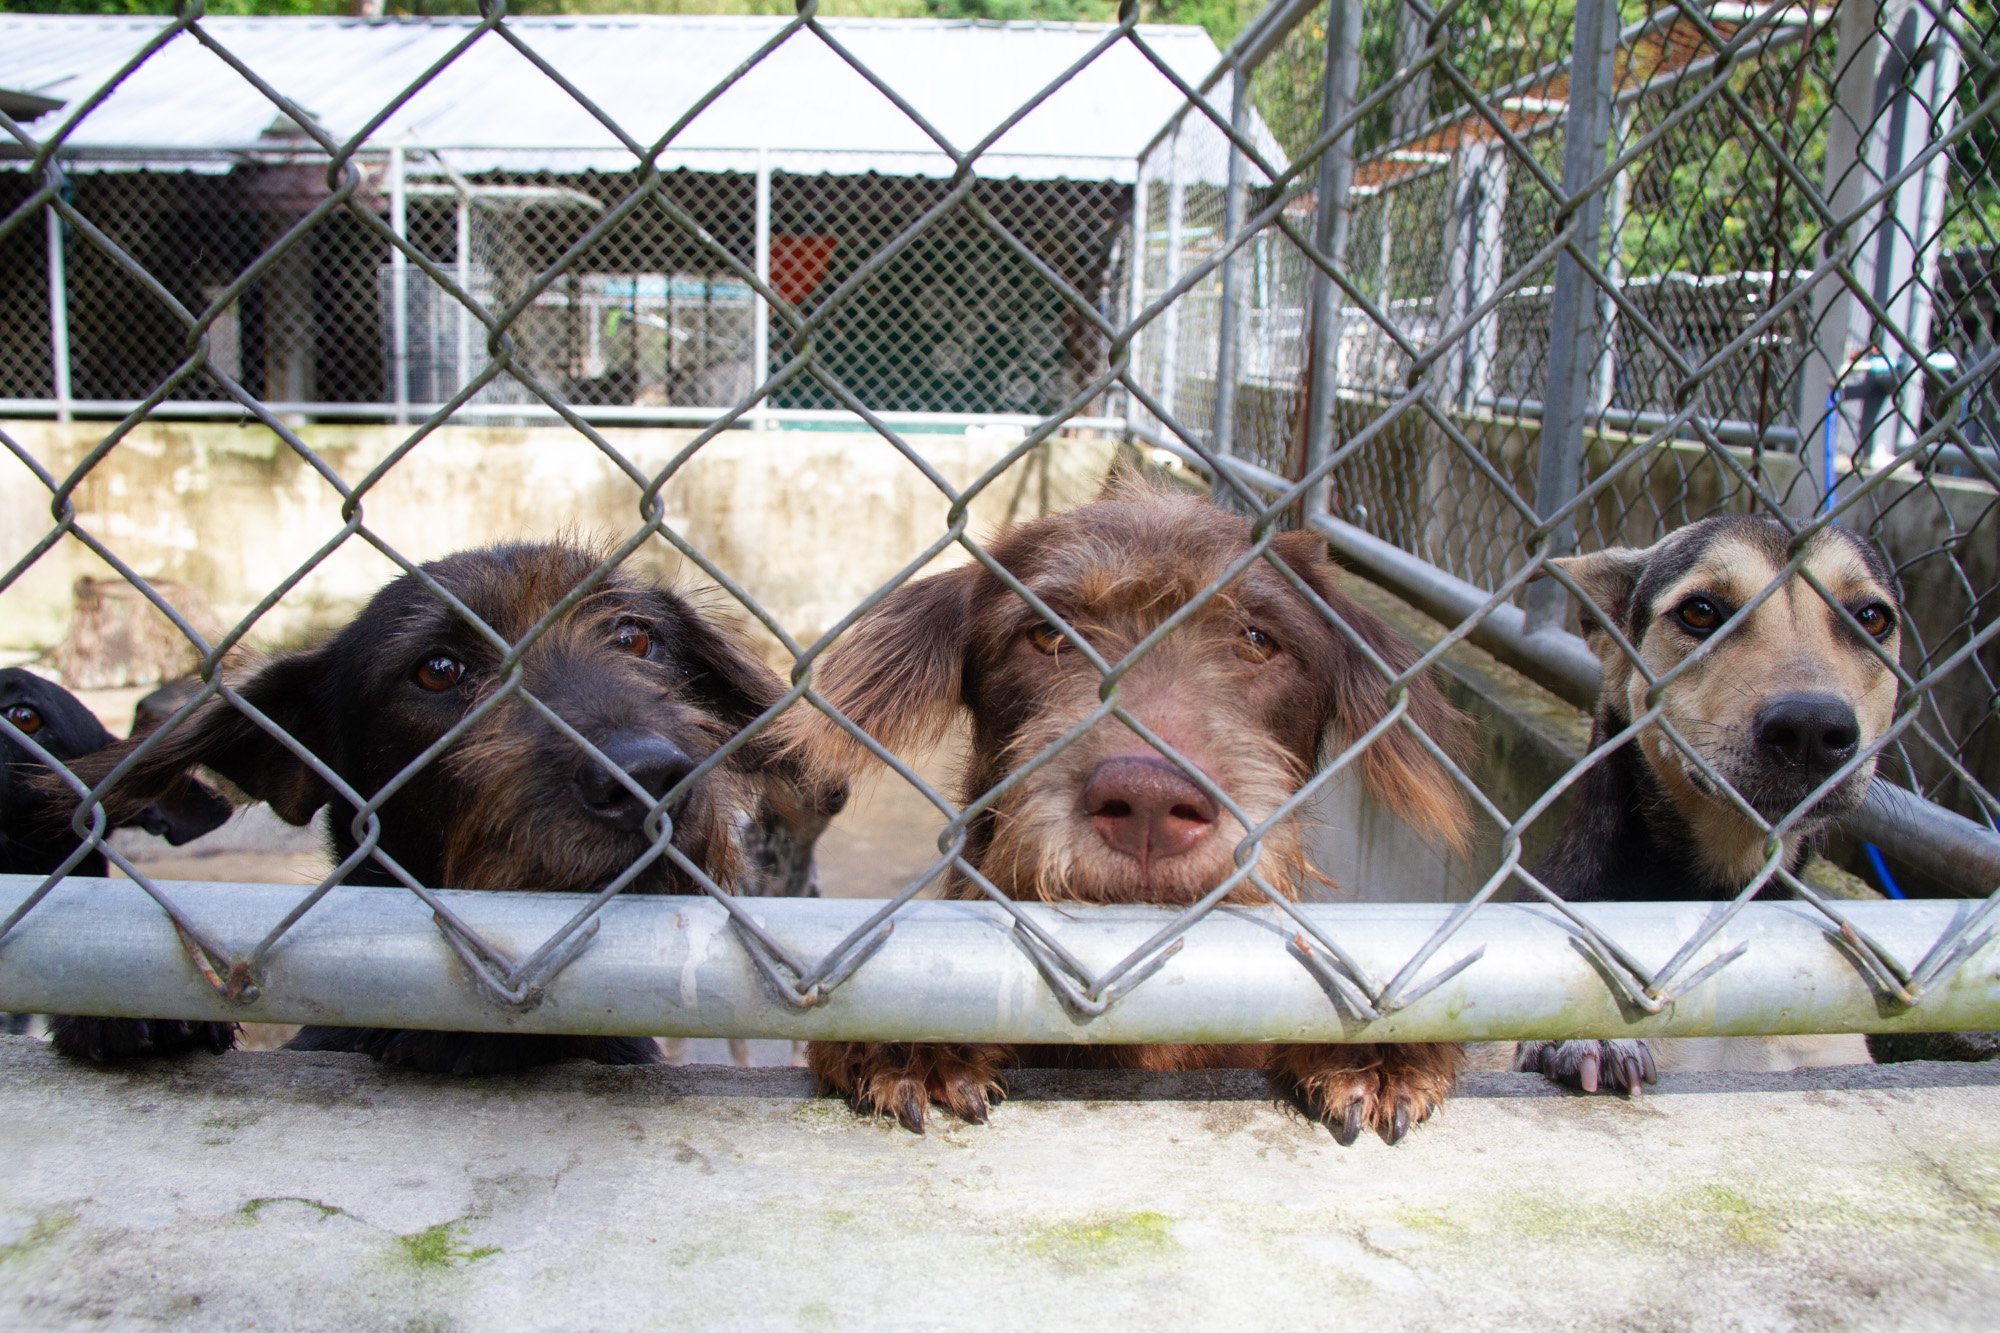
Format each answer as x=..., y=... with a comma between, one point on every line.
x=492, y=109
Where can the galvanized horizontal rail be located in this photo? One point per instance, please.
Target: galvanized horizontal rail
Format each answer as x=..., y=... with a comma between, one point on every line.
x=955, y=971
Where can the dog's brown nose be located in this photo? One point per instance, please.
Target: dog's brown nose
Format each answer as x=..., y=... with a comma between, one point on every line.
x=1146, y=808
x=1816, y=732
x=653, y=762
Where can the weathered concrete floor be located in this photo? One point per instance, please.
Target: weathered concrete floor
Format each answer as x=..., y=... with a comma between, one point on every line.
x=304, y=1191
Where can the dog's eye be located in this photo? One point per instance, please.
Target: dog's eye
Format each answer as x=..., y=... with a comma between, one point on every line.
x=26, y=718
x=1046, y=639
x=1254, y=645
x=635, y=639
x=439, y=674
x=1699, y=615
x=1876, y=619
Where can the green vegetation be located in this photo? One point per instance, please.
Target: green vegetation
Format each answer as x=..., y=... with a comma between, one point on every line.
x=1107, y=1238
x=440, y=1247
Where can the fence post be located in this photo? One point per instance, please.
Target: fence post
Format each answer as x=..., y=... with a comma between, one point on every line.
x=1224, y=434
x=1170, y=321
x=399, y=286
x=1475, y=261
x=1135, y=288
x=1897, y=92
x=58, y=309
x=463, y=221
x=760, y=309
x=1573, y=307
x=1330, y=228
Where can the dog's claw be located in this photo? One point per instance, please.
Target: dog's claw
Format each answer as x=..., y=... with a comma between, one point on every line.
x=910, y=1110
x=1351, y=1123
x=1621, y=1065
x=1399, y=1123
x=974, y=1110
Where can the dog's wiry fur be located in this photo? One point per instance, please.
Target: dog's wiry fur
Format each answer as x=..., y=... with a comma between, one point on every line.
x=1646, y=822
x=1253, y=692
x=512, y=803
x=36, y=839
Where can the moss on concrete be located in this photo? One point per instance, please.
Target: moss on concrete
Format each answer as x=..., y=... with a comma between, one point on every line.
x=1107, y=1238
x=439, y=1248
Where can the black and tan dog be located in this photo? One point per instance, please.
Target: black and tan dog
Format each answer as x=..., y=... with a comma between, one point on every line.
x=512, y=802
x=36, y=839
x=1788, y=694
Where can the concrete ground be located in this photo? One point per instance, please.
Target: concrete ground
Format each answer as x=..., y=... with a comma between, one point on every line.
x=316, y=1191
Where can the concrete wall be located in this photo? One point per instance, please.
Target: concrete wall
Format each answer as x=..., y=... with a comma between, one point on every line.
x=810, y=522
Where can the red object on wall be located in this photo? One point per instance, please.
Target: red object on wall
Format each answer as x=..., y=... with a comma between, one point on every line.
x=799, y=264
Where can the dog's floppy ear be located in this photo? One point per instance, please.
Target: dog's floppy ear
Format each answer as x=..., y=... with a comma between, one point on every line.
x=1609, y=578
x=1397, y=767
x=293, y=691
x=722, y=671
x=898, y=674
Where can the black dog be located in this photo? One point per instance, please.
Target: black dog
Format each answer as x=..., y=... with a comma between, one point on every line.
x=35, y=839
x=512, y=803
x=1787, y=699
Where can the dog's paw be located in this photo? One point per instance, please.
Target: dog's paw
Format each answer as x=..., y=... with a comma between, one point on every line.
x=108, y=1040
x=1350, y=1089
x=1620, y=1065
x=903, y=1080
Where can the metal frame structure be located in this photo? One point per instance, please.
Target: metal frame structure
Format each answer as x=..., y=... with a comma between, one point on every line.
x=999, y=969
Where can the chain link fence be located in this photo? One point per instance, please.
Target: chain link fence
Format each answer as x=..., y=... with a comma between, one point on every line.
x=1461, y=288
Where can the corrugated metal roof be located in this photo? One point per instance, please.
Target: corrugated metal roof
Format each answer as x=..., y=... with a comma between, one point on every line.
x=493, y=109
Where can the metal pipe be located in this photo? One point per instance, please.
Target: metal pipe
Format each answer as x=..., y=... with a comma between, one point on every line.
x=1170, y=320
x=59, y=383
x=1743, y=434
x=1559, y=660
x=1135, y=284
x=1224, y=435
x=1573, y=307
x=1330, y=228
x=955, y=971
x=463, y=236
x=760, y=309
x=399, y=289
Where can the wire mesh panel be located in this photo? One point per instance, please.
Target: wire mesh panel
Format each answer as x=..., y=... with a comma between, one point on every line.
x=1462, y=293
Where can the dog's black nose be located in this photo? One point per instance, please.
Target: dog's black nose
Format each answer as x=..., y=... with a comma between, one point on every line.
x=653, y=762
x=1814, y=731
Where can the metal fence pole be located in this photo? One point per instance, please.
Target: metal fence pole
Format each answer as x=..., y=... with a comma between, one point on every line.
x=760, y=309
x=399, y=286
x=1604, y=368
x=1330, y=227
x=1170, y=322
x=1135, y=287
x=1921, y=64
x=463, y=220
x=1232, y=295
x=58, y=317
x=1573, y=309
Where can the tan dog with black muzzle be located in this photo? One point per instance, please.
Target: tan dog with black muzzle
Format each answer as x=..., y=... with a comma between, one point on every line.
x=1789, y=694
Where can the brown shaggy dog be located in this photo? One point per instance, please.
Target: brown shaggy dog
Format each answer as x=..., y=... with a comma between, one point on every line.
x=512, y=802
x=1253, y=690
